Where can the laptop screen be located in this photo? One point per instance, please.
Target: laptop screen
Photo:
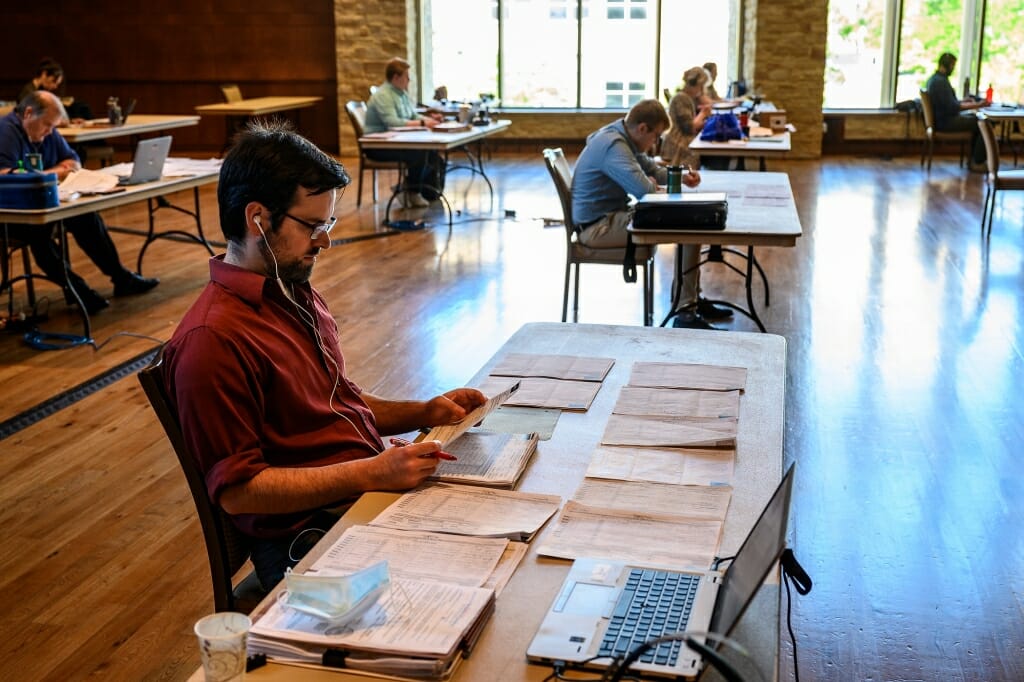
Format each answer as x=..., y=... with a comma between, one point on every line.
x=762, y=548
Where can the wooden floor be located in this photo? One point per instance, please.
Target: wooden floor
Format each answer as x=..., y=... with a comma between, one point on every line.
x=905, y=411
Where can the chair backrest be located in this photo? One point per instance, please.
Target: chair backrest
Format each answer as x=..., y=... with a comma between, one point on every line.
x=226, y=547
x=357, y=115
x=561, y=174
x=991, y=145
x=232, y=93
x=926, y=111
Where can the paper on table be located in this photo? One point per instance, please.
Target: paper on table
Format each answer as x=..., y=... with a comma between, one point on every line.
x=86, y=181
x=507, y=565
x=431, y=557
x=656, y=540
x=510, y=419
x=413, y=618
x=679, y=375
x=678, y=402
x=627, y=429
x=553, y=366
x=449, y=432
x=679, y=466
x=693, y=501
x=541, y=392
x=470, y=510
x=496, y=459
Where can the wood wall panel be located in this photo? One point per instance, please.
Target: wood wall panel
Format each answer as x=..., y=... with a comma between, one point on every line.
x=172, y=59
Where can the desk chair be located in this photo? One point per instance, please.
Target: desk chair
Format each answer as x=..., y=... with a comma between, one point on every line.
x=232, y=93
x=8, y=247
x=576, y=253
x=994, y=180
x=226, y=547
x=357, y=115
x=931, y=134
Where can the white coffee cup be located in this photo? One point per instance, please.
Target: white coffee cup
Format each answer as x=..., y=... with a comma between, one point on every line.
x=222, y=645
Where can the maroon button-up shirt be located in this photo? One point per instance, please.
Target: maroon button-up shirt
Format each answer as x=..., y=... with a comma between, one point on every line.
x=252, y=384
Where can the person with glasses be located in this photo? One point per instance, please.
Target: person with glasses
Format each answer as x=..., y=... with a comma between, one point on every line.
x=255, y=370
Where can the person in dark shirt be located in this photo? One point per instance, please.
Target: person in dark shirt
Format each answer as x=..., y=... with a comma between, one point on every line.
x=31, y=129
x=947, y=107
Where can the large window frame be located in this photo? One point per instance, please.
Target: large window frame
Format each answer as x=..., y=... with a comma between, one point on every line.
x=578, y=11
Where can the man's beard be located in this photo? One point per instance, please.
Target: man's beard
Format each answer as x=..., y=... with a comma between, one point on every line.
x=294, y=272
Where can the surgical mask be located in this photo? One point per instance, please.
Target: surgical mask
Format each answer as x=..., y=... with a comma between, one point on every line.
x=337, y=599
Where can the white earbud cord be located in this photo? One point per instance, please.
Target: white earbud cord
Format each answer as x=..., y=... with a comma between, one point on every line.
x=308, y=318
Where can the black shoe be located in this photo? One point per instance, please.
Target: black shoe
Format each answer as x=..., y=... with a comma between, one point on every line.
x=91, y=300
x=710, y=311
x=131, y=283
x=691, y=320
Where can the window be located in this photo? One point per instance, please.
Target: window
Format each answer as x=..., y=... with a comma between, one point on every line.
x=880, y=52
x=573, y=53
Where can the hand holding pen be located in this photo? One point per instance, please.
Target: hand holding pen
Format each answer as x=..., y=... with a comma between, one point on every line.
x=440, y=454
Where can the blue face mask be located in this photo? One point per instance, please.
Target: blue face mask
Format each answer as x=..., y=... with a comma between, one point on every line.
x=338, y=599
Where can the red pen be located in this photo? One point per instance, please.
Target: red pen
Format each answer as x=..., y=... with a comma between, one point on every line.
x=440, y=454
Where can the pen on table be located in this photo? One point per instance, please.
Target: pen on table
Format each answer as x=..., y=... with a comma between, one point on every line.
x=440, y=454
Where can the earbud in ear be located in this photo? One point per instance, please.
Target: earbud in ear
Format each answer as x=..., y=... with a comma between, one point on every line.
x=256, y=219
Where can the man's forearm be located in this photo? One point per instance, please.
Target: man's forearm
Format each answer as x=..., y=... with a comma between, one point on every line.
x=396, y=416
x=287, y=490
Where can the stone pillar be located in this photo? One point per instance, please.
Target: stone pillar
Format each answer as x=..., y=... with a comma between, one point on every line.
x=784, y=58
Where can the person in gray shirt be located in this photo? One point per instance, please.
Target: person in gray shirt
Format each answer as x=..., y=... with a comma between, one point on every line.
x=615, y=165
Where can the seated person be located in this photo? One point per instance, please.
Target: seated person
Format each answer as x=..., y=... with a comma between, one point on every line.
x=947, y=108
x=711, y=69
x=50, y=77
x=256, y=374
x=615, y=164
x=390, y=107
x=29, y=129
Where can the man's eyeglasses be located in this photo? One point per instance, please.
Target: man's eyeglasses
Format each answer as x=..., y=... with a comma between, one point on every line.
x=317, y=228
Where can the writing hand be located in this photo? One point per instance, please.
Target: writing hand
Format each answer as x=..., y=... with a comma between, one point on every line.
x=692, y=178
x=404, y=467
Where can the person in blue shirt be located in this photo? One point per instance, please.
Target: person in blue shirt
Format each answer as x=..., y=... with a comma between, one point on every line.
x=947, y=108
x=615, y=165
x=31, y=129
x=390, y=107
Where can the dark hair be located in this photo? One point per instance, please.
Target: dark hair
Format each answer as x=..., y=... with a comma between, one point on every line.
x=649, y=111
x=49, y=67
x=395, y=67
x=268, y=162
x=947, y=60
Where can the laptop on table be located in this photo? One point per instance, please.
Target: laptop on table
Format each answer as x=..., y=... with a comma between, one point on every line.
x=605, y=609
x=148, y=164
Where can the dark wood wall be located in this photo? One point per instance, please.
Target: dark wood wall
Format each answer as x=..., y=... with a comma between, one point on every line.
x=174, y=56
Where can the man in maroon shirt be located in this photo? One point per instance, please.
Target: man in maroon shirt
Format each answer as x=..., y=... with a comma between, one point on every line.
x=256, y=373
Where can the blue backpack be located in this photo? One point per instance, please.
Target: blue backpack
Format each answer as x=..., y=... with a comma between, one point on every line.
x=721, y=128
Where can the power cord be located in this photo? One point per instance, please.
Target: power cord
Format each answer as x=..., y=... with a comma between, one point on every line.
x=793, y=572
x=711, y=656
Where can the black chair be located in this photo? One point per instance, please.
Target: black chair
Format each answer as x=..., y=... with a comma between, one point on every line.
x=226, y=547
x=931, y=134
x=357, y=116
x=995, y=180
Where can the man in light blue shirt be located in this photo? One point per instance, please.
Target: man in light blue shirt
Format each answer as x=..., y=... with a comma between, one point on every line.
x=615, y=165
x=390, y=107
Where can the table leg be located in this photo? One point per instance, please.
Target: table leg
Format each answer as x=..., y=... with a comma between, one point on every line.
x=86, y=324
x=154, y=205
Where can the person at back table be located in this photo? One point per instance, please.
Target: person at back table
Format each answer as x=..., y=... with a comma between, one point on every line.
x=255, y=370
x=50, y=77
x=390, y=107
x=615, y=164
x=947, y=109
x=29, y=129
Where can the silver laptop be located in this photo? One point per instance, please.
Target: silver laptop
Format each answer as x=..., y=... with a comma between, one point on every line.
x=606, y=609
x=148, y=165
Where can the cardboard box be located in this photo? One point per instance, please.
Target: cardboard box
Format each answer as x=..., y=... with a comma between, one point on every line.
x=776, y=120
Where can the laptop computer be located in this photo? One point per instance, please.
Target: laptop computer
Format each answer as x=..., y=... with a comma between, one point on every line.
x=148, y=164
x=591, y=620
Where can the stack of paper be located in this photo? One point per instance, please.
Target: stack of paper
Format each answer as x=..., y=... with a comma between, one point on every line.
x=490, y=459
x=565, y=382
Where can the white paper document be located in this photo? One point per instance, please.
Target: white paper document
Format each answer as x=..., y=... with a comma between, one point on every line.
x=470, y=510
x=654, y=540
x=413, y=618
x=562, y=394
x=553, y=366
x=494, y=459
x=692, y=501
x=679, y=466
x=679, y=375
x=415, y=555
x=86, y=181
x=449, y=432
x=677, y=402
x=624, y=429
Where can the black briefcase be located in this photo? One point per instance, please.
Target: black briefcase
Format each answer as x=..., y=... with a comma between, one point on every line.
x=685, y=211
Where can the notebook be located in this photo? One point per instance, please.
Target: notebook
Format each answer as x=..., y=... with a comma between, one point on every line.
x=588, y=624
x=148, y=165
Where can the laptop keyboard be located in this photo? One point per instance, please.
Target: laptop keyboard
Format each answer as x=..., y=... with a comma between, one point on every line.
x=653, y=603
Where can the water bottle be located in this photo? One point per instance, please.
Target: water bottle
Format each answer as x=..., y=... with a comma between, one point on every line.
x=113, y=111
x=675, y=180
x=988, y=94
